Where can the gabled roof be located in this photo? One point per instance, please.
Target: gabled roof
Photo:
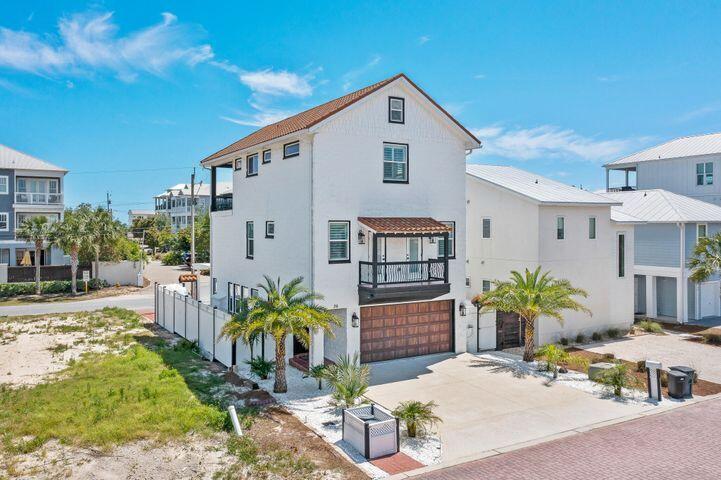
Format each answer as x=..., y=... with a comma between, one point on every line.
x=535, y=187
x=315, y=115
x=401, y=225
x=12, y=159
x=662, y=206
x=680, y=147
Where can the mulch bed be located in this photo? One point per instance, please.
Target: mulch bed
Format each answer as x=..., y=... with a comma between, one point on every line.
x=693, y=329
x=700, y=388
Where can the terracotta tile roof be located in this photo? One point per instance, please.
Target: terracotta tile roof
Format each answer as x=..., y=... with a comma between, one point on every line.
x=404, y=225
x=308, y=118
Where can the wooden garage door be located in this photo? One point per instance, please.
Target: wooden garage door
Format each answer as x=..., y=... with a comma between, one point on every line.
x=406, y=330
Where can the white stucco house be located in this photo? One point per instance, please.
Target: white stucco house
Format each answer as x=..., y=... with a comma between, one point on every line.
x=364, y=197
x=517, y=220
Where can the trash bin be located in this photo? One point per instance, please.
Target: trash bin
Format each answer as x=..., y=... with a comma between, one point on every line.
x=690, y=374
x=676, y=384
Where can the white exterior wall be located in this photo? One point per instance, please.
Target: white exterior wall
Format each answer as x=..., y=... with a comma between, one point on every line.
x=678, y=175
x=523, y=235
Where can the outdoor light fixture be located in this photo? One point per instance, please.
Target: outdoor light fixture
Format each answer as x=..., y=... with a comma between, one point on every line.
x=361, y=237
x=462, y=309
x=354, y=320
x=433, y=240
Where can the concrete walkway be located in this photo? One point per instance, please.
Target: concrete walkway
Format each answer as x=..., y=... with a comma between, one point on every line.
x=138, y=301
x=682, y=443
x=671, y=349
x=485, y=407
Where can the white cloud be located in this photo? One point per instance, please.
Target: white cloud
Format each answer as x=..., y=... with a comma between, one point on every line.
x=608, y=78
x=258, y=118
x=88, y=42
x=422, y=40
x=351, y=76
x=548, y=141
x=699, y=112
x=277, y=83
x=480, y=76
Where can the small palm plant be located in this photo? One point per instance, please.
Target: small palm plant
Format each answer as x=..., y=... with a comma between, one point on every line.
x=319, y=372
x=553, y=355
x=618, y=378
x=36, y=230
x=261, y=367
x=532, y=295
x=348, y=379
x=417, y=416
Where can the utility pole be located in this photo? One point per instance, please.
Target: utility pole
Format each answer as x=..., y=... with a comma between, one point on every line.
x=108, y=202
x=192, y=222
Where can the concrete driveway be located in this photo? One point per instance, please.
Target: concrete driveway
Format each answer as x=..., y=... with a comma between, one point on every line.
x=486, y=408
x=670, y=349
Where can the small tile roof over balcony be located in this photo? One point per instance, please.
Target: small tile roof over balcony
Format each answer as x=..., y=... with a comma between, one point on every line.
x=405, y=225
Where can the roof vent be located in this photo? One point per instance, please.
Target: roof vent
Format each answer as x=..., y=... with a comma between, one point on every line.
x=536, y=181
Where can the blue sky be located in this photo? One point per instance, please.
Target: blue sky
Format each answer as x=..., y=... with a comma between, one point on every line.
x=131, y=95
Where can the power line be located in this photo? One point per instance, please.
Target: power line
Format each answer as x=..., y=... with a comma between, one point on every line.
x=91, y=172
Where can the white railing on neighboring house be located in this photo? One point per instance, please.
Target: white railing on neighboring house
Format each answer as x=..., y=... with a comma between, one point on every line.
x=199, y=322
x=39, y=198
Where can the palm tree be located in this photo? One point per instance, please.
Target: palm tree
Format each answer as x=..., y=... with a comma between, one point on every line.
x=36, y=230
x=69, y=234
x=706, y=259
x=417, y=416
x=289, y=309
x=102, y=231
x=532, y=295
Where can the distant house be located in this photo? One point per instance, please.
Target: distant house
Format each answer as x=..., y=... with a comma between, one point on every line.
x=175, y=202
x=29, y=187
x=687, y=166
x=133, y=214
x=670, y=227
x=518, y=219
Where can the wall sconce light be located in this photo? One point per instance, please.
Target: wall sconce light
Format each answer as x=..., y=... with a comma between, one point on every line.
x=361, y=237
x=354, y=320
x=462, y=309
x=433, y=240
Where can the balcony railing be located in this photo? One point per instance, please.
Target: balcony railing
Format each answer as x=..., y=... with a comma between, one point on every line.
x=397, y=273
x=39, y=198
x=223, y=203
x=621, y=189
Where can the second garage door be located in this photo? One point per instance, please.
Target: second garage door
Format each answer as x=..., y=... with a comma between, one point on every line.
x=406, y=330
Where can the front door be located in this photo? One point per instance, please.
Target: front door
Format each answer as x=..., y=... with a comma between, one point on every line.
x=414, y=255
x=708, y=299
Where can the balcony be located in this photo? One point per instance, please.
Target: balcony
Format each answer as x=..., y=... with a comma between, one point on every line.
x=28, y=198
x=402, y=281
x=222, y=203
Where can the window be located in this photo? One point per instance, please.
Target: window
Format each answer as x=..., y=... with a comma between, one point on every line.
x=5, y=256
x=486, y=285
x=621, y=255
x=468, y=281
x=266, y=156
x=249, y=240
x=21, y=217
x=4, y=222
x=338, y=242
x=486, y=228
x=238, y=163
x=269, y=229
x=395, y=163
x=451, y=242
x=291, y=149
x=396, y=110
x=560, y=228
x=251, y=165
x=704, y=173
x=701, y=231
x=215, y=285
x=254, y=293
x=4, y=189
x=592, y=228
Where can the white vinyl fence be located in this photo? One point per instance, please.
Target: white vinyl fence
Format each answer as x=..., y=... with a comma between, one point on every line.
x=197, y=321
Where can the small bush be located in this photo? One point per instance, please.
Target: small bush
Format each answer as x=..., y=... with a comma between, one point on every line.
x=172, y=258
x=641, y=366
x=613, y=333
x=580, y=338
x=664, y=378
x=609, y=356
x=618, y=378
x=564, y=341
x=712, y=338
x=553, y=355
x=318, y=372
x=650, y=327
x=260, y=367
x=418, y=416
x=348, y=379
x=596, y=337
x=578, y=363
x=54, y=286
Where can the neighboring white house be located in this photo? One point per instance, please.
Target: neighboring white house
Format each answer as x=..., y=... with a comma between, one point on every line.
x=175, y=202
x=133, y=214
x=517, y=220
x=664, y=243
x=360, y=196
x=687, y=166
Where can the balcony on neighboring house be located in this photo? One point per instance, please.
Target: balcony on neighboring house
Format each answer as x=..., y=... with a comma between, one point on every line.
x=38, y=191
x=416, y=277
x=627, y=182
x=219, y=200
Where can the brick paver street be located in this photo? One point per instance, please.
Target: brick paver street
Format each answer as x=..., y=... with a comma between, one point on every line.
x=682, y=443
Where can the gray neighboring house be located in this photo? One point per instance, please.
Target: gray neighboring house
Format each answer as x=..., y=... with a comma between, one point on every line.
x=28, y=187
x=175, y=202
x=668, y=226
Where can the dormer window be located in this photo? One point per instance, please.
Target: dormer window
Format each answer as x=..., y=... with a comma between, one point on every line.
x=396, y=110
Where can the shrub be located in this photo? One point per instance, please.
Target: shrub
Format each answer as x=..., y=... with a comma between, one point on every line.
x=319, y=372
x=578, y=363
x=613, y=333
x=609, y=356
x=664, y=378
x=712, y=338
x=261, y=367
x=348, y=379
x=54, y=286
x=417, y=416
x=580, y=338
x=596, y=337
x=553, y=355
x=564, y=341
x=618, y=378
x=172, y=258
x=649, y=326
x=641, y=366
